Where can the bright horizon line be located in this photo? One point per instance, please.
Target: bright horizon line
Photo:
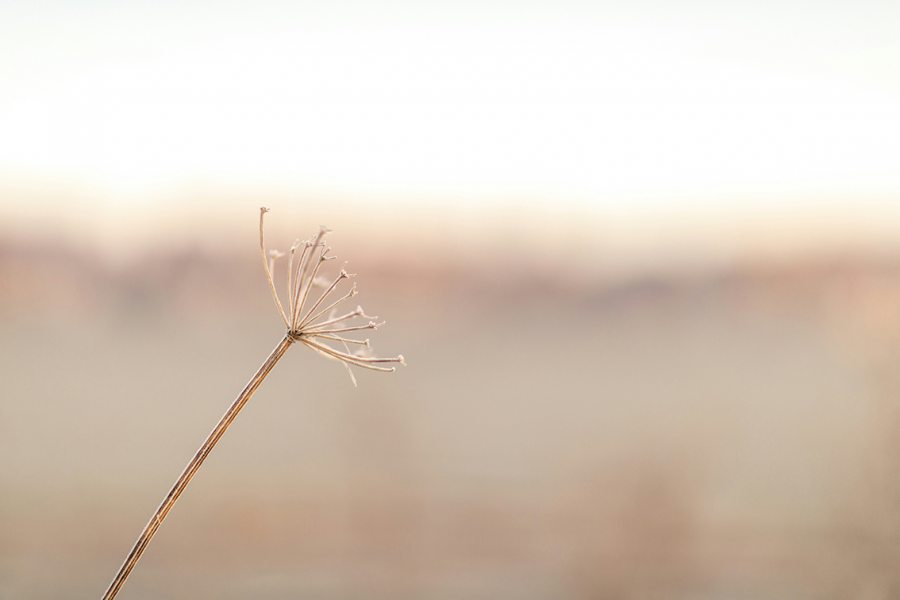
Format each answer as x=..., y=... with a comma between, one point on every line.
x=588, y=239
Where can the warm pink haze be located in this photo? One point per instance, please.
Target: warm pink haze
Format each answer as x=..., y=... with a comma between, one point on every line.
x=642, y=259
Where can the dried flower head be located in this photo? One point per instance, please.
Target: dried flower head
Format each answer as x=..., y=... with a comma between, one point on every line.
x=311, y=311
x=310, y=318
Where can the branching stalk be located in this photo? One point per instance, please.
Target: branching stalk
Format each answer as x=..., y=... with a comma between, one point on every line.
x=301, y=326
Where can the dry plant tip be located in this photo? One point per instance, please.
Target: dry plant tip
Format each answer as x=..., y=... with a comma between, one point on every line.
x=302, y=326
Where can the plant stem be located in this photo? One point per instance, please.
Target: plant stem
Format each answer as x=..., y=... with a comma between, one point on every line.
x=191, y=469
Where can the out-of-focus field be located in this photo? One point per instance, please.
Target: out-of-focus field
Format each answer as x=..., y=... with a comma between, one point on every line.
x=716, y=434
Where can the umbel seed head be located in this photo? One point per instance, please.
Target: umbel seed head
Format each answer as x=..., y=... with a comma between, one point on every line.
x=310, y=313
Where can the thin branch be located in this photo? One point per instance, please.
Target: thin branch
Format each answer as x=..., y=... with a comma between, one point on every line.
x=346, y=357
x=265, y=260
x=191, y=469
x=344, y=340
x=302, y=275
x=369, y=325
x=341, y=276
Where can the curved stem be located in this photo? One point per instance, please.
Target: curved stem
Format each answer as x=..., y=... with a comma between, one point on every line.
x=191, y=469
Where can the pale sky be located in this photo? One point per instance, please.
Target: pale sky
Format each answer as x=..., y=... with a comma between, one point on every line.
x=615, y=108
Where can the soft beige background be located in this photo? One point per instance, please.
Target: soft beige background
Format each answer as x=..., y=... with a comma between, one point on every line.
x=643, y=262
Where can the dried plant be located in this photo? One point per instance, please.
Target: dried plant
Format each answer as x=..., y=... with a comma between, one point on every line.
x=312, y=322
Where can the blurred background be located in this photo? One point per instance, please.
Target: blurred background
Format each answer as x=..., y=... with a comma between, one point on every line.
x=643, y=259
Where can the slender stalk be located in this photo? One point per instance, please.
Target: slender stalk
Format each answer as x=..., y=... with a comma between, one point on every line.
x=191, y=469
